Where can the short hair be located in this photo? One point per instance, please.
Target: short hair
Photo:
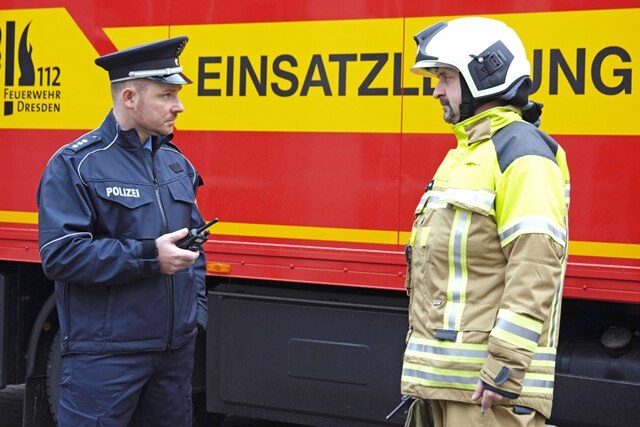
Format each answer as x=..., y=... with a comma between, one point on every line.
x=117, y=87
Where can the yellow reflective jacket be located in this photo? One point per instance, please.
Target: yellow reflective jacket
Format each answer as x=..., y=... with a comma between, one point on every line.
x=486, y=261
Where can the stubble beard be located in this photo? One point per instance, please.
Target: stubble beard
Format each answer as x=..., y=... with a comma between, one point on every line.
x=449, y=115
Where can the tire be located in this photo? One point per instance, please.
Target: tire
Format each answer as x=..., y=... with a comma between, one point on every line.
x=54, y=375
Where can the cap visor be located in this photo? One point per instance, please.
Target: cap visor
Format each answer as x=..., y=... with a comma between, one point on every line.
x=172, y=79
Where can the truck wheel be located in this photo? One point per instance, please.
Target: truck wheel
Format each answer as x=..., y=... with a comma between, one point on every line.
x=54, y=375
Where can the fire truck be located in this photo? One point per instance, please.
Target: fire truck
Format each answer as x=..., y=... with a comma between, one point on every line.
x=315, y=142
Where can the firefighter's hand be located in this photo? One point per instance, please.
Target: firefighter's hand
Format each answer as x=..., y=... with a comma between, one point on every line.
x=171, y=257
x=488, y=397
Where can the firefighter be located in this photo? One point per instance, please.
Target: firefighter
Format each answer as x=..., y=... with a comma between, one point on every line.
x=112, y=206
x=488, y=249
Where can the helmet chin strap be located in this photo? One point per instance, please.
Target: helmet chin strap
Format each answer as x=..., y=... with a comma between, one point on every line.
x=469, y=104
x=531, y=111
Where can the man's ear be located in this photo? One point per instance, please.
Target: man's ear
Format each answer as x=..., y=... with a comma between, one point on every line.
x=128, y=95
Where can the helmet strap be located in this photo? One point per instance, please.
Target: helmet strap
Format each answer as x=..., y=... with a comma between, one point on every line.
x=468, y=104
x=532, y=112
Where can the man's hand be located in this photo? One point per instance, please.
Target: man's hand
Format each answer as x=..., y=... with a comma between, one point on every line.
x=171, y=257
x=488, y=397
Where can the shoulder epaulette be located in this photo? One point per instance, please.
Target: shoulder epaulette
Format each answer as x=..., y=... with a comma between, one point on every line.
x=84, y=141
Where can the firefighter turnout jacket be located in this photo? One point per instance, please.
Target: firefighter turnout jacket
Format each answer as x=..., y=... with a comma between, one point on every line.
x=103, y=200
x=486, y=261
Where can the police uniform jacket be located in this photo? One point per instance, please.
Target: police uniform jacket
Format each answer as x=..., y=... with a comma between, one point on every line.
x=103, y=200
x=487, y=259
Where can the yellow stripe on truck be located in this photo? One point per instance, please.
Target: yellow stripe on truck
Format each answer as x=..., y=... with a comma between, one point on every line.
x=354, y=235
x=19, y=217
x=308, y=233
x=604, y=249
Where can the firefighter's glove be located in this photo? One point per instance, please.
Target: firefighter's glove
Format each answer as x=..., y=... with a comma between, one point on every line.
x=501, y=379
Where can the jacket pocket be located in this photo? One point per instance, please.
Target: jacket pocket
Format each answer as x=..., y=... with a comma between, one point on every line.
x=137, y=312
x=417, y=250
x=128, y=195
x=479, y=317
x=472, y=317
x=185, y=301
x=182, y=191
x=180, y=203
x=125, y=209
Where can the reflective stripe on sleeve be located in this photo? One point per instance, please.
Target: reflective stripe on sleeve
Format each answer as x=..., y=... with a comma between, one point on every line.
x=515, y=329
x=530, y=225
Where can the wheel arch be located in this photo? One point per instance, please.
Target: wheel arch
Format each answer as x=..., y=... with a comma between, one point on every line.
x=36, y=411
x=44, y=329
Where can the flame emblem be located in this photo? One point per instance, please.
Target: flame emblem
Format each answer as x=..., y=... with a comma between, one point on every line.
x=25, y=62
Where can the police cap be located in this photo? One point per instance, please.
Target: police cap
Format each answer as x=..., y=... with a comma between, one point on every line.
x=156, y=61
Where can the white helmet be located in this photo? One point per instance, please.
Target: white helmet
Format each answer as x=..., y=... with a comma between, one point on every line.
x=488, y=54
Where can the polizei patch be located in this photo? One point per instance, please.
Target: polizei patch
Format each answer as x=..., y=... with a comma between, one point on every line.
x=123, y=192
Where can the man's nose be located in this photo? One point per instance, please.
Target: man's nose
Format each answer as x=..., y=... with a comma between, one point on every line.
x=438, y=91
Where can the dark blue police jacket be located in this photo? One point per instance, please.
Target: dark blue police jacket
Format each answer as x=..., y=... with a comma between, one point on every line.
x=102, y=203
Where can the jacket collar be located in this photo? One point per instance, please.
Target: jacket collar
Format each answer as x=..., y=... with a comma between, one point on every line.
x=127, y=138
x=482, y=126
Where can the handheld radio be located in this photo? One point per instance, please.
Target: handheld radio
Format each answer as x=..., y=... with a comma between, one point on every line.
x=196, y=237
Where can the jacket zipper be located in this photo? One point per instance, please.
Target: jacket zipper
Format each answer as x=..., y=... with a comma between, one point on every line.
x=65, y=339
x=168, y=278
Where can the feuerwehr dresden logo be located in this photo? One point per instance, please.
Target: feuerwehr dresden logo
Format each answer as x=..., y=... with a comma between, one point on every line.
x=27, y=89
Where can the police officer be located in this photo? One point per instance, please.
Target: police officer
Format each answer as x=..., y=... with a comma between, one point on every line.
x=112, y=206
x=488, y=249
